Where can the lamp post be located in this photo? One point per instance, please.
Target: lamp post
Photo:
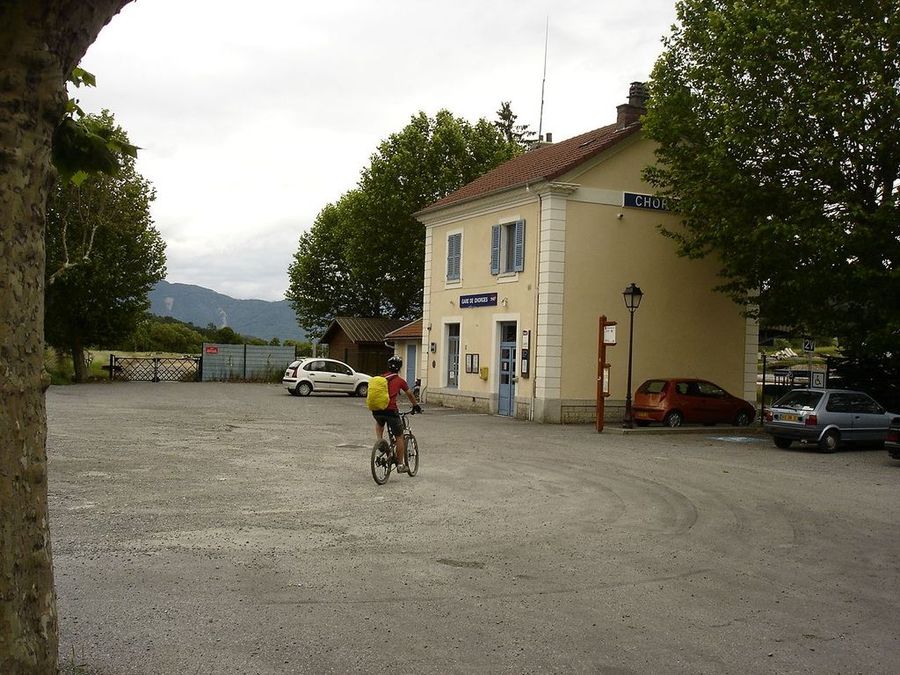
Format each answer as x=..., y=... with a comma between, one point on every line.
x=632, y=295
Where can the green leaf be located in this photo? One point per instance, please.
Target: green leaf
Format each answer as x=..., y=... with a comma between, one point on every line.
x=79, y=76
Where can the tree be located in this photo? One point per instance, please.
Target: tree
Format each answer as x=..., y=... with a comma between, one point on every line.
x=301, y=348
x=40, y=43
x=227, y=336
x=162, y=334
x=321, y=284
x=365, y=254
x=778, y=126
x=103, y=256
x=514, y=133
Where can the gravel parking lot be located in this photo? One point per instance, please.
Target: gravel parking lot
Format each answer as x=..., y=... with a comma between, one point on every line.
x=232, y=528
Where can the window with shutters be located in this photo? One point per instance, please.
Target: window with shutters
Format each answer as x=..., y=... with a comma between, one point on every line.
x=508, y=247
x=454, y=257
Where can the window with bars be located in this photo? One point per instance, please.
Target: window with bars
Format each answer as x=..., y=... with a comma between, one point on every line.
x=508, y=247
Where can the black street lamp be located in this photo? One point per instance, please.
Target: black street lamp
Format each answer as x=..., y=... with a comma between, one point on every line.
x=632, y=295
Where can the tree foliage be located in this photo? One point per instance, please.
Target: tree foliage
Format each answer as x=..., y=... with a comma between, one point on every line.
x=103, y=256
x=514, y=133
x=778, y=126
x=82, y=144
x=364, y=255
x=162, y=334
x=168, y=334
x=322, y=284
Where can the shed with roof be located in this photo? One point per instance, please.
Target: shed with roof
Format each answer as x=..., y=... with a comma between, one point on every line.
x=360, y=342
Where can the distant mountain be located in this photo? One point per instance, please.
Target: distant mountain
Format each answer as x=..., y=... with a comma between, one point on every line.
x=201, y=306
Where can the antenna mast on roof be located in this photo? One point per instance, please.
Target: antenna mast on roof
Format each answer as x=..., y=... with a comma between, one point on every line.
x=544, y=79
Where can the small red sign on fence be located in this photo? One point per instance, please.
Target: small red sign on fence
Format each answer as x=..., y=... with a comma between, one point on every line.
x=212, y=349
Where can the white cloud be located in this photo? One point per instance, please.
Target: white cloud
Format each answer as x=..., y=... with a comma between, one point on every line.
x=253, y=116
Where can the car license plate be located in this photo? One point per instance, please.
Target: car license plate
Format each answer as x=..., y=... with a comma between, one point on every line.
x=787, y=417
x=642, y=415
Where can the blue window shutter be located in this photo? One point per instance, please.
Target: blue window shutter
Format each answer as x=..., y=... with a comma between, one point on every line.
x=454, y=256
x=519, y=254
x=495, y=249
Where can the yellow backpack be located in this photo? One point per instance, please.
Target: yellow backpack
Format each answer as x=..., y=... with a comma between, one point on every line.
x=378, y=397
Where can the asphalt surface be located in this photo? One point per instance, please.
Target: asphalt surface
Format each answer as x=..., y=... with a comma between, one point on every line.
x=232, y=528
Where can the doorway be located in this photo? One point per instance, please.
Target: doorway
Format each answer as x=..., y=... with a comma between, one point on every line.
x=507, y=393
x=411, y=365
x=452, y=355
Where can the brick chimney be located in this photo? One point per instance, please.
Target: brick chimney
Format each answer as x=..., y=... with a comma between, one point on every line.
x=629, y=113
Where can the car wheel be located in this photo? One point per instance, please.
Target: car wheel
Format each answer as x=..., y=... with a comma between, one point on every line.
x=304, y=389
x=830, y=441
x=782, y=442
x=673, y=419
x=362, y=389
x=742, y=419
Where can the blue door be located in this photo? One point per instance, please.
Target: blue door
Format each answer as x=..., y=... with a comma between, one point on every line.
x=452, y=355
x=507, y=393
x=411, y=365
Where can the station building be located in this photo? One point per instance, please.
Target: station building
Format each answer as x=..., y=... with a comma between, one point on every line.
x=521, y=263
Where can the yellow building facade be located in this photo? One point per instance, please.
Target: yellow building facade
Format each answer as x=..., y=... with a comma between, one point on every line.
x=521, y=263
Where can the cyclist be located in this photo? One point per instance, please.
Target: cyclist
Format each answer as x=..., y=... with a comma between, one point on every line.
x=391, y=416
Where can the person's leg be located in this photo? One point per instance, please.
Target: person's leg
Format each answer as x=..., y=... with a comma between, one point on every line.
x=401, y=449
x=399, y=441
x=379, y=427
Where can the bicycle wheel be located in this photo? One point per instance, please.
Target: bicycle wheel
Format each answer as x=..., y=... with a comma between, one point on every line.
x=381, y=462
x=412, y=454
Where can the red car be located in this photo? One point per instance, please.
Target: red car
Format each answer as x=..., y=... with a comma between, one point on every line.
x=679, y=400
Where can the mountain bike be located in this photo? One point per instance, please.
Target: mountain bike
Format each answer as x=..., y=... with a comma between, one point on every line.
x=384, y=457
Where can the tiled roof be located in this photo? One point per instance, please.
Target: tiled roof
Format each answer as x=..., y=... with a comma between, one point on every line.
x=362, y=330
x=411, y=330
x=546, y=163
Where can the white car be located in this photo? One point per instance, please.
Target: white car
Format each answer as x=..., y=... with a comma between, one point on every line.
x=311, y=374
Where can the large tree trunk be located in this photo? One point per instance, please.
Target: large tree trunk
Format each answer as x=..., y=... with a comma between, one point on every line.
x=40, y=42
x=78, y=362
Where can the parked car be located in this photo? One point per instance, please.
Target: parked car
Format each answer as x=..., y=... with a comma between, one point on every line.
x=892, y=439
x=828, y=417
x=678, y=400
x=311, y=374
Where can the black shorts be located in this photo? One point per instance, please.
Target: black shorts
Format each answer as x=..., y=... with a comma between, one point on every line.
x=391, y=418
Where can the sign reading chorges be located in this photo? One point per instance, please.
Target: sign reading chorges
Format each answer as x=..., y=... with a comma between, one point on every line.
x=639, y=201
x=478, y=300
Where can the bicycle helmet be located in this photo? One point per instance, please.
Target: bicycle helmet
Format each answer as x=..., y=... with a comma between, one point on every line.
x=395, y=363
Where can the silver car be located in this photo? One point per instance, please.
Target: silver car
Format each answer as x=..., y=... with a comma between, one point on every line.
x=827, y=417
x=307, y=375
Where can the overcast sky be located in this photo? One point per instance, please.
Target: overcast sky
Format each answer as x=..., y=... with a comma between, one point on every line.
x=252, y=116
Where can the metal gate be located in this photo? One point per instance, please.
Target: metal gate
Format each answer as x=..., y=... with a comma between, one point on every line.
x=154, y=368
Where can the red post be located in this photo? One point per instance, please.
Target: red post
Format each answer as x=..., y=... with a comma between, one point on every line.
x=602, y=365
